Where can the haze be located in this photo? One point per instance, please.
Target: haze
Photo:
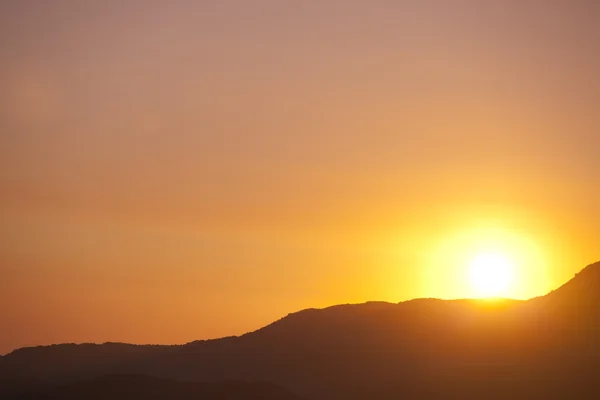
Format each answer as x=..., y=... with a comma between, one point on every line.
x=172, y=171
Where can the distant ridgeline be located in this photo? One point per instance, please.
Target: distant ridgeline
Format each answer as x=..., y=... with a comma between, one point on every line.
x=547, y=347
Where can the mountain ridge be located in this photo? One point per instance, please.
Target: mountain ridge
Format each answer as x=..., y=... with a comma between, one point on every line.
x=590, y=269
x=375, y=350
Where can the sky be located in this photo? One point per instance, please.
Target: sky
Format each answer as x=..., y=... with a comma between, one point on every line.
x=181, y=170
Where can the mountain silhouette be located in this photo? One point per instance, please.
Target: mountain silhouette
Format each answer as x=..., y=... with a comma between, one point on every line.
x=132, y=387
x=546, y=347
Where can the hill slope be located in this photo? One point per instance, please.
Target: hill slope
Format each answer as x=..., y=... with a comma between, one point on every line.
x=548, y=347
x=134, y=387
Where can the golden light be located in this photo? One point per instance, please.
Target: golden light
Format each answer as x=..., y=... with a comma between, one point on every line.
x=491, y=274
x=484, y=261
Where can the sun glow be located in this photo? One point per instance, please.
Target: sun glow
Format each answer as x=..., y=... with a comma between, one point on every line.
x=491, y=274
x=485, y=260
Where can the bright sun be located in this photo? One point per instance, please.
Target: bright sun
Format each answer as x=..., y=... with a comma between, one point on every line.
x=491, y=274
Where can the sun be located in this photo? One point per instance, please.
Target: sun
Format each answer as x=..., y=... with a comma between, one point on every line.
x=491, y=274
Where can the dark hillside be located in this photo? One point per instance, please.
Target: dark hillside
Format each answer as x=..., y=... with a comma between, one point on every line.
x=545, y=347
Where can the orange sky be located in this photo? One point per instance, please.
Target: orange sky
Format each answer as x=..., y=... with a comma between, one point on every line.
x=172, y=171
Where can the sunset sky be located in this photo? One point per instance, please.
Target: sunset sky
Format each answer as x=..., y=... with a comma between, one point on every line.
x=181, y=170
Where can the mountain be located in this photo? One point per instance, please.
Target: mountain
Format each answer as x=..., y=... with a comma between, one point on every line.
x=133, y=387
x=547, y=347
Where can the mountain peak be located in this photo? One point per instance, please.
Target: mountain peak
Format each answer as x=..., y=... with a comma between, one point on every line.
x=583, y=289
x=592, y=268
x=590, y=274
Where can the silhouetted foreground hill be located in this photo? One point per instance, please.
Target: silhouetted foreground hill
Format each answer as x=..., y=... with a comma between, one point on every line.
x=547, y=347
x=134, y=387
